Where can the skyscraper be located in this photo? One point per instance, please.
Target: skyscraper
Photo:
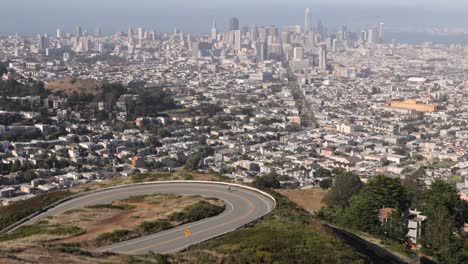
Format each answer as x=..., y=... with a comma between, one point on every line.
x=323, y=57
x=43, y=42
x=262, y=51
x=79, y=32
x=130, y=35
x=59, y=33
x=372, y=36
x=254, y=33
x=381, y=32
x=98, y=32
x=214, y=31
x=298, y=53
x=233, y=24
x=307, y=21
x=237, y=40
x=140, y=33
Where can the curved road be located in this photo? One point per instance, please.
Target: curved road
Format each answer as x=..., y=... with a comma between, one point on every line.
x=243, y=205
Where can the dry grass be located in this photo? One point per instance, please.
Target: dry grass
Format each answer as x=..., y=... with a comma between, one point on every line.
x=310, y=199
x=47, y=248
x=104, y=220
x=69, y=85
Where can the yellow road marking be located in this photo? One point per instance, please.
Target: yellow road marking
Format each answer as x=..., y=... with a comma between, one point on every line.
x=253, y=207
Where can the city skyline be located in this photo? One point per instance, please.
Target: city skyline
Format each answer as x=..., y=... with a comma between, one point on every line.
x=164, y=17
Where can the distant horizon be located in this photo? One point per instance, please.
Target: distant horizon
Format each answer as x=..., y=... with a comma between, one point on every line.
x=46, y=16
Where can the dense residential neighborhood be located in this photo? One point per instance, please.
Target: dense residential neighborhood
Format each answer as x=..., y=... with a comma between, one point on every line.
x=303, y=107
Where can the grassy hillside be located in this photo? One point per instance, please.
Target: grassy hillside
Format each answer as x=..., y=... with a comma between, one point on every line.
x=288, y=234
x=17, y=211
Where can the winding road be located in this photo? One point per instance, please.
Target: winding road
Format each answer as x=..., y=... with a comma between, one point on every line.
x=243, y=205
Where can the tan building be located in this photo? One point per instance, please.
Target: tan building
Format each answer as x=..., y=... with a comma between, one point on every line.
x=413, y=105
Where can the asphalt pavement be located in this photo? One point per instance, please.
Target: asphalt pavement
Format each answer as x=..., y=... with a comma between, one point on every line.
x=242, y=206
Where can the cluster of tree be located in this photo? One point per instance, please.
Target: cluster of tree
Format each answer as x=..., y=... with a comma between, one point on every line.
x=204, y=109
x=8, y=119
x=327, y=176
x=355, y=205
x=36, y=134
x=12, y=88
x=195, y=160
x=150, y=103
x=109, y=93
x=267, y=181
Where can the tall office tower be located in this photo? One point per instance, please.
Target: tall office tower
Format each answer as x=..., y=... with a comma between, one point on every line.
x=363, y=36
x=307, y=20
x=182, y=38
x=323, y=57
x=189, y=41
x=335, y=45
x=101, y=48
x=130, y=35
x=214, y=31
x=59, y=33
x=140, y=33
x=195, y=50
x=272, y=32
x=274, y=52
x=309, y=41
x=286, y=37
x=298, y=53
x=342, y=35
x=329, y=43
x=98, y=32
x=152, y=36
x=43, y=42
x=372, y=36
x=320, y=28
x=381, y=32
x=233, y=24
x=85, y=44
x=262, y=51
x=263, y=33
x=254, y=33
x=79, y=31
x=237, y=40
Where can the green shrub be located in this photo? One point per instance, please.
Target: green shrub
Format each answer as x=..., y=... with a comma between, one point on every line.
x=198, y=211
x=13, y=213
x=154, y=226
x=30, y=230
x=115, y=236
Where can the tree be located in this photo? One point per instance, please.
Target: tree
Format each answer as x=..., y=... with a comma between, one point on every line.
x=267, y=181
x=361, y=214
x=29, y=175
x=346, y=185
x=386, y=192
x=326, y=183
x=395, y=227
x=455, y=251
x=438, y=229
x=193, y=162
x=444, y=194
x=379, y=192
x=153, y=142
x=322, y=173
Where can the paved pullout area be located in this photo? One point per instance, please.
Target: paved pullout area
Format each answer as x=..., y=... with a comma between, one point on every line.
x=243, y=206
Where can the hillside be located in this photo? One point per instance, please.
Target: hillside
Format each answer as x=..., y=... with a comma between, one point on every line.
x=289, y=232
x=70, y=85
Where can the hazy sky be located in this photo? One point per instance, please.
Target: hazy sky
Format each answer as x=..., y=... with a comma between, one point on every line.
x=33, y=16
